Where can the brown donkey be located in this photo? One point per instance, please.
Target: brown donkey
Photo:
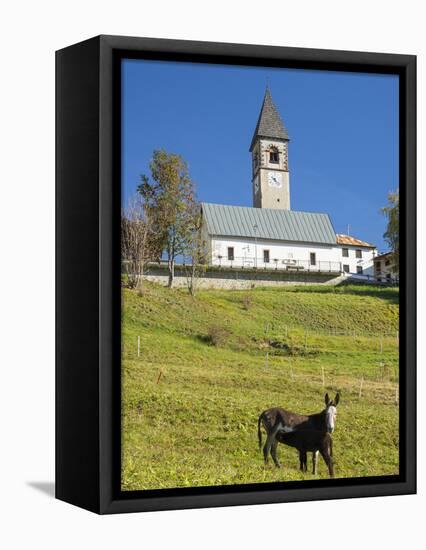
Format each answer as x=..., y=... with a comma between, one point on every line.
x=279, y=420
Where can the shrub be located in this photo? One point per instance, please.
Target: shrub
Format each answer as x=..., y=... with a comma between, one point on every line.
x=217, y=335
x=288, y=348
x=385, y=372
x=247, y=301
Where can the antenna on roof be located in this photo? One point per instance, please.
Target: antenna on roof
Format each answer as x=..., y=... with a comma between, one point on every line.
x=348, y=230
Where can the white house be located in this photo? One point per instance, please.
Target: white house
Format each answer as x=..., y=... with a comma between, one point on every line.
x=384, y=268
x=270, y=235
x=357, y=256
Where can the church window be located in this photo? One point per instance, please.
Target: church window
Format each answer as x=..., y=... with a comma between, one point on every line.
x=273, y=155
x=346, y=268
x=230, y=253
x=345, y=252
x=359, y=269
x=266, y=256
x=358, y=253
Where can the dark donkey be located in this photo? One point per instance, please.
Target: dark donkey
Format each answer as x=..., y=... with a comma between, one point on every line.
x=312, y=441
x=276, y=419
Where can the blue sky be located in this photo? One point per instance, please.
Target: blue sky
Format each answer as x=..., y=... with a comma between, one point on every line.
x=343, y=127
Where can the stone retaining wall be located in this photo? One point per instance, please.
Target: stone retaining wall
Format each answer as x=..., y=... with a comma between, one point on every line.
x=242, y=278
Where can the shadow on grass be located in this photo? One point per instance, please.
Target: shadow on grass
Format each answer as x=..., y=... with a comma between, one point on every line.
x=390, y=294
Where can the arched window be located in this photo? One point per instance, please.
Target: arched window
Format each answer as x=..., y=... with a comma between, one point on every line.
x=273, y=155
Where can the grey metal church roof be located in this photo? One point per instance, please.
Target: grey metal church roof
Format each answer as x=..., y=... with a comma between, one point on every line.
x=282, y=225
x=269, y=124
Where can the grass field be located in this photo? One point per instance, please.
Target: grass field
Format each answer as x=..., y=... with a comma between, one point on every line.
x=208, y=366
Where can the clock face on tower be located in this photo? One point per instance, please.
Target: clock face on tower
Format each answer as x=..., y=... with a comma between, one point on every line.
x=275, y=179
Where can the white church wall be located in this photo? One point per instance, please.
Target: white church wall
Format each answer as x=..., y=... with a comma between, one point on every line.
x=288, y=256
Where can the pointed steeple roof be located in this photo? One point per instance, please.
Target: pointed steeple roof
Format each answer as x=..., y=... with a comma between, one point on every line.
x=269, y=124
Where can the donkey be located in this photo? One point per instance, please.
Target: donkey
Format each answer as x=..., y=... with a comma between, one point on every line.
x=277, y=419
x=310, y=441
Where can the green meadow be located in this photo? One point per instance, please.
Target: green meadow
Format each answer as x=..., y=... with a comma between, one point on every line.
x=209, y=365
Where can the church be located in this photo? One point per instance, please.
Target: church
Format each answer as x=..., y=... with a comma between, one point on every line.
x=269, y=235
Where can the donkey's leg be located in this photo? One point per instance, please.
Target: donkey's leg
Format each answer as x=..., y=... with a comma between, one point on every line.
x=274, y=453
x=315, y=462
x=270, y=440
x=303, y=457
x=265, y=451
x=329, y=461
x=330, y=466
x=267, y=447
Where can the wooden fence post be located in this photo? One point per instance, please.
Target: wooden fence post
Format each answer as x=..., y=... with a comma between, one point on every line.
x=360, y=387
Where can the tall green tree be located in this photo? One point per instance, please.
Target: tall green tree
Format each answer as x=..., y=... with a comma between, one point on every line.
x=169, y=196
x=391, y=235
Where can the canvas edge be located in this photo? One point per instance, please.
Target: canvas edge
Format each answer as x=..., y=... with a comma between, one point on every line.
x=104, y=447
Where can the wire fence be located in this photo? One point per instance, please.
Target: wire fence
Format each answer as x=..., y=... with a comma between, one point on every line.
x=297, y=354
x=329, y=368
x=243, y=262
x=287, y=330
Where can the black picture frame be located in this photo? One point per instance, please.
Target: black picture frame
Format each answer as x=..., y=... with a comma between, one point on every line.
x=88, y=273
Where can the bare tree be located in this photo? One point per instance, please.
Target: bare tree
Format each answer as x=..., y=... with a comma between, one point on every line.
x=196, y=251
x=139, y=244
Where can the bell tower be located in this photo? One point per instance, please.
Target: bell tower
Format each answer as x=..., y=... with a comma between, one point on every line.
x=269, y=149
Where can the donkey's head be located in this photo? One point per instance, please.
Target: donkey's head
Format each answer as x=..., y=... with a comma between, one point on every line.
x=331, y=412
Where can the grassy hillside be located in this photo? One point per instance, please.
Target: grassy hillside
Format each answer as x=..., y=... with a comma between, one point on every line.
x=208, y=366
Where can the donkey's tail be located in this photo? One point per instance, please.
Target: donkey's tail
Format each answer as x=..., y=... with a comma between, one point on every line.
x=259, y=431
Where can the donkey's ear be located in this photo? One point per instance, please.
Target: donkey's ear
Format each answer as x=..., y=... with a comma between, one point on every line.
x=326, y=399
x=337, y=399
